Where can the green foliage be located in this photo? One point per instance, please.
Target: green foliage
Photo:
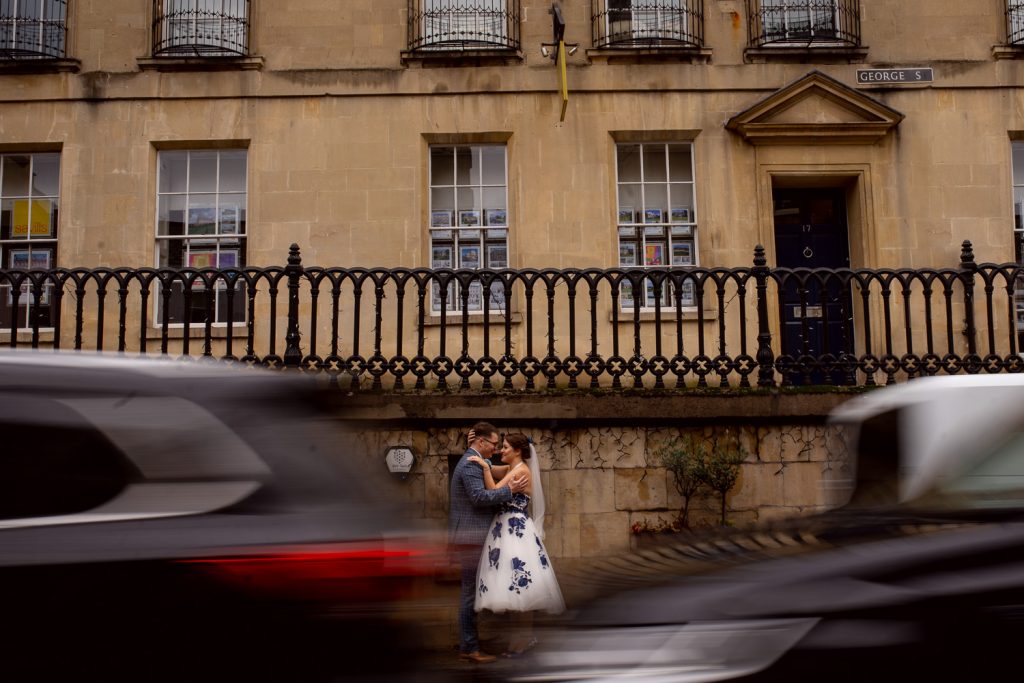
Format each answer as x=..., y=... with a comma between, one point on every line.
x=694, y=468
x=720, y=472
x=684, y=460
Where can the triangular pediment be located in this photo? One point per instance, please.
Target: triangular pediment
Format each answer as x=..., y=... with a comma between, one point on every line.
x=816, y=109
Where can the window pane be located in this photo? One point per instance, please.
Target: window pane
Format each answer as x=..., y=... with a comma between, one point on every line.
x=681, y=195
x=494, y=198
x=171, y=215
x=629, y=163
x=46, y=175
x=442, y=199
x=656, y=197
x=469, y=198
x=680, y=167
x=15, y=176
x=442, y=166
x=654, y=163
x=173, y=171
x=231, y=216
x=202, y=172
x=629, y=200
x=202, y=216
x=232, y=171
x=467, y=173
x=493, y=165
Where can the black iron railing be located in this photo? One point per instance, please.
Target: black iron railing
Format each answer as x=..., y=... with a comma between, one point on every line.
x=804, y=22
x=647, y=23
x=184, y=28
x=1015, y=22
x=460, y=25
x=33, y=29
x=374, y=327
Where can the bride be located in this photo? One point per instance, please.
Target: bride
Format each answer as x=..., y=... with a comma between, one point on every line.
x=515, y=572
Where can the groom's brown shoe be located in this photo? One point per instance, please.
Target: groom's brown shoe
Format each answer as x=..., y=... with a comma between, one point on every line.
x=477, y=657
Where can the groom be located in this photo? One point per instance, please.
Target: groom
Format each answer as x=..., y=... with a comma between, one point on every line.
x=472, y=508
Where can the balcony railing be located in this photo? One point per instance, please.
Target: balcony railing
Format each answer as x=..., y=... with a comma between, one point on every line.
x=201, y=28
x=808, y=23
x=463, y=25
x=1015, y=22
x=33, y=29
x=632, y=24
x=372, y=328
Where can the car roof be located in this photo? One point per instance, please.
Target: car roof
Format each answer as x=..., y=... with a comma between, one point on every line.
x=946, y=424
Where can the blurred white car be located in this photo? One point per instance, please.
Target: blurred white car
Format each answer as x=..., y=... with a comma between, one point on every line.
x=919, y=577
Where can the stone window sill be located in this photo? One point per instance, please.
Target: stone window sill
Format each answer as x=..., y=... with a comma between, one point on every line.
x=198, y=331
x=455, y=58
x=455, y=320
x=828, y=54
x=1008, y=51
x=692, y=55
x=668, y=315
x=39, y=66
x=46, y=335
x=200, y=63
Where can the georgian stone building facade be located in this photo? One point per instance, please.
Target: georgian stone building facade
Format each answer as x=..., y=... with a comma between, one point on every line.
x=446, y=133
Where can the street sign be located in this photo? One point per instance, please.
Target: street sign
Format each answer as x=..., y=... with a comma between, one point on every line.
x=894, y=76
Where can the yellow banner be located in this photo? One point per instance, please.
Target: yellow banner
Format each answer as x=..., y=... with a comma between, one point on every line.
x=34, y=216
x=565, y=82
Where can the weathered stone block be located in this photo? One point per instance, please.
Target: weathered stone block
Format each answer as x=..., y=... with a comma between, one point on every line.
x=580, y=491
x=640, y=489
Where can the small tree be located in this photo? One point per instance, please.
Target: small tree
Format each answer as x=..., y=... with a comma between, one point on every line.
x=685, y=462
x=719, y=471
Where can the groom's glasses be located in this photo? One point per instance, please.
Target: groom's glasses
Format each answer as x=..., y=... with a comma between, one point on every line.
x=494, y=443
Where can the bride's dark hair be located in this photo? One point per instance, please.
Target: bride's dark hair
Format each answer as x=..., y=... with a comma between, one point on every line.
x=520, y=443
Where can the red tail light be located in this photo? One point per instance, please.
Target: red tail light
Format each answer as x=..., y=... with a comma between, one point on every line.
x=353, y=572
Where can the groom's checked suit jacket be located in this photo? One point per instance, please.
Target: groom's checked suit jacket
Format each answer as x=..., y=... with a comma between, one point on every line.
x=472, y=505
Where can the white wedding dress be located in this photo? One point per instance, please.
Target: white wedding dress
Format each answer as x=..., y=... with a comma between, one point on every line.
x=515, y=573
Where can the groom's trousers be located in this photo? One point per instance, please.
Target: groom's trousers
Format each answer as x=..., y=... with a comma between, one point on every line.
x=469, y=559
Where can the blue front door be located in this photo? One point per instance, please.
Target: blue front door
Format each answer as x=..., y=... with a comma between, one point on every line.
x=810, y=232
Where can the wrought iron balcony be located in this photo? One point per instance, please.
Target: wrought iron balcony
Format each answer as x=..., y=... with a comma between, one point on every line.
x=804, y=23
x=463, y=25
x=632, y=24
x=1015, y=22
x=201, y=28
x=373, y=328
x=33, y=29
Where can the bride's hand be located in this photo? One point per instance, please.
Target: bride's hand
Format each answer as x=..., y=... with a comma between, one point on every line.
x=478, y=460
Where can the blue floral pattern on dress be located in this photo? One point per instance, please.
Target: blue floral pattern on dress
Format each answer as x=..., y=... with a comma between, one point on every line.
x=540, y=552
x=496, y=531
x=516, y=525
x=492, y=556
x=483, y=588
x=521, y=577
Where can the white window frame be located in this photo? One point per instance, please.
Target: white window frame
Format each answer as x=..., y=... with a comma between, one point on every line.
x=488, y=238
x=224, y=252
x=24, y=246
x=674, y=232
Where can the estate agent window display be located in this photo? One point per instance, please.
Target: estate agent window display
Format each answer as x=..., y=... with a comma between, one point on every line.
x=201, y=223
x=29, y=201
x=469, y=220
x=656, y=222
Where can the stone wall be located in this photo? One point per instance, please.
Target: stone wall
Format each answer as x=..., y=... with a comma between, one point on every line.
x=601, y=479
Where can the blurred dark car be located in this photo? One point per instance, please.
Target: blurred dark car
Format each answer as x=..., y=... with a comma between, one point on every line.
x=919, y=577
x=164, y=520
